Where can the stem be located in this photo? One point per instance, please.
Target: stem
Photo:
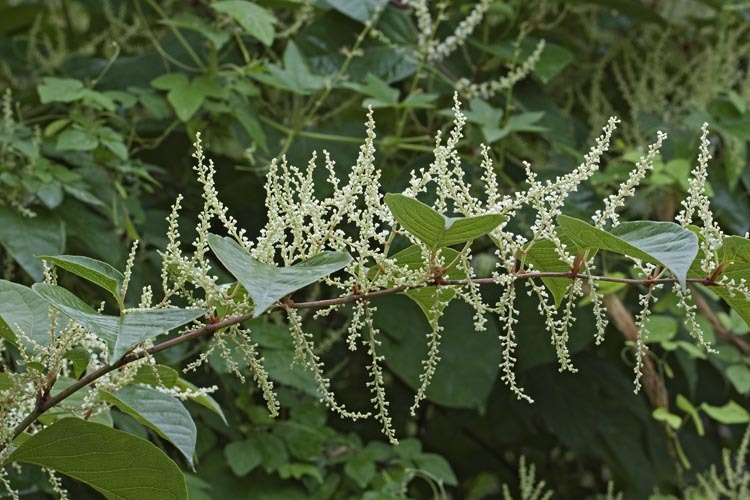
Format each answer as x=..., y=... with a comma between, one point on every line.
x=45, y=403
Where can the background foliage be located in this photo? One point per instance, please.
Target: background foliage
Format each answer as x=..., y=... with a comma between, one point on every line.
x=102, y=102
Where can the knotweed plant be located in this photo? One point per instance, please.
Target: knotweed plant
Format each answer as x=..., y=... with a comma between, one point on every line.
x=74, y=360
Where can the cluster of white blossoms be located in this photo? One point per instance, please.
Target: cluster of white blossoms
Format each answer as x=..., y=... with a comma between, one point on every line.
x=434, y=50
x=491, y=88
x=355, y=219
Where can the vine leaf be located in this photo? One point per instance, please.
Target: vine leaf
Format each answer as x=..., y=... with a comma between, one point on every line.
x=116, y=464
x=22, y=309
x=161, y=412
x=265, y=283
x=664, y=243
x=121, y=333
x=730, y=413
x=95, y=271
x=436, y=230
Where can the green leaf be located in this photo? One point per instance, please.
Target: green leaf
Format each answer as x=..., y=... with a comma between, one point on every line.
x=254, y=19
x=243, y=456
x=118, y=465
x=730, y=413
x=360, y=10
x=685, y=405
x=381, y=95
x=21, y=308
x=662, y=415
x=739, y=375
x=74, y=139
x=184, y=96
x=542, y=255
x=661, y=328
x=60, y=90
x=295, y=76
x=436, y=467
x=436, y=230
x=663, y=243
x=80, y=357
x=163, y=413
x=361, y=468
x=265, y=283
x=425, y=297
x=93, y=270
x=24, y=238
x=298, y=471
x=121, y=333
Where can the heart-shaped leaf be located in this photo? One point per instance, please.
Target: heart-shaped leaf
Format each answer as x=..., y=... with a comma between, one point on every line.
x=121, y=333
x=93, y=270
x=163, y=413
x=665, y=243
x=265, y=283
x=436, y=230
x=116, y=464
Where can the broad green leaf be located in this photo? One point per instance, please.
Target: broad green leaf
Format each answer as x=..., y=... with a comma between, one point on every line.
x=542, y=255
x=93, y=270
x=60, y=90
x=685, y=405
x=184, y=96
x=663, y=243
x=26, y=237
x=436, y=230
x=118, y=465
x=381, y=95
x=730, y=413
x=121, y=333
x=663, y=415
x=739, y=375
x=265, y=283
x=436, y=467
x=22, y=309
x=254, y=19
x=298, y=471
x=295, y=76
x=243, y=456
x=163, y=413
x=660, y=328
x=735, y=250
x=74, y=139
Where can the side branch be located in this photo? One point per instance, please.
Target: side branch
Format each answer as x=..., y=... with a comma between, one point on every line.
x=46, y=403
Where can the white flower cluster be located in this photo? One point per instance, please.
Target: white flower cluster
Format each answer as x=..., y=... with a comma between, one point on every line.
x=698, y=205
x=489, y=89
